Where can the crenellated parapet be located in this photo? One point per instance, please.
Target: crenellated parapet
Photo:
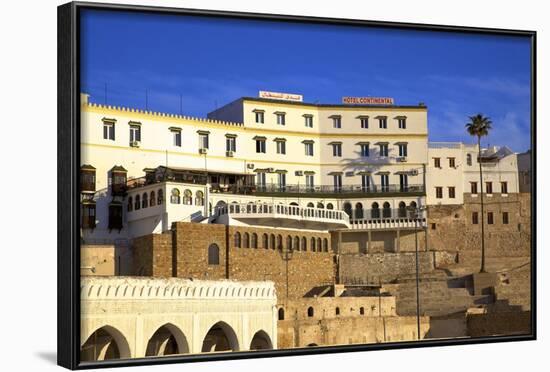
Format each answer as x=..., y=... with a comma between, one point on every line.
x=138, y=288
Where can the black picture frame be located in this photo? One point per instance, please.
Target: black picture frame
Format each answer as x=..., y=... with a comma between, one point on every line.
x=68, y=148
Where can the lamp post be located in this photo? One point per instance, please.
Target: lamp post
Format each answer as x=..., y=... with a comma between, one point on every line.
x=416, y=214
x=286, y=255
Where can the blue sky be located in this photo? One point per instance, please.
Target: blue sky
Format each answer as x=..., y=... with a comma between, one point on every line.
x=210, y=62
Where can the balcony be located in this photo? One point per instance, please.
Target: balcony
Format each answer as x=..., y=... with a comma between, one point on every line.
x=386, y=218
x=280, y=215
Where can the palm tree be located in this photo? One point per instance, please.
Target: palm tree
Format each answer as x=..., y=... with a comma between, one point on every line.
x=480, y=126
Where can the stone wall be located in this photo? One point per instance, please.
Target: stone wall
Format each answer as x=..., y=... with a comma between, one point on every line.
x=152, y=255
x=499, y=323
x=386, y=267
x=97, y=260
x=349, y=330
x=391, y=241
x=450, y=227
x=184, y=254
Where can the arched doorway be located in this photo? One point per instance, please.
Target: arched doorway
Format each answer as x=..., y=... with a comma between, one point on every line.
x=220, y=337
x=167, y=340
x=261, y=341
x=347, y=209
x=104, y=344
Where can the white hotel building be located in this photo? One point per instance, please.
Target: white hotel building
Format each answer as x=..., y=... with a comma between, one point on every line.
x=141, y=171
x=260, y=162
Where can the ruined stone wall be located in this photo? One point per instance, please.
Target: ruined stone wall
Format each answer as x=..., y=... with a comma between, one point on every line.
x=349, y=330
x=451, y=227
x=499, y=323
x=385, y=267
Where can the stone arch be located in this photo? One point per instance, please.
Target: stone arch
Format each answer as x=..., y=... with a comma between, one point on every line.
x=254, y=240
x=297, y=243
x=402, y=211
x=347, y=208
x=304, y=243
x=246, y=240
x=313, y=249
x=220, y=337
x=261, y=341
x=359, y=211
x=237, y=242
x=386, y=210
x=265, y=241
x=320, y=205
x=152, y=199
x=330, y=206
x=105, y=343
x=310, y=312
x=281, y=314
x=312, y=345
x=375, y=210
x=325, y=245
x=167, y=340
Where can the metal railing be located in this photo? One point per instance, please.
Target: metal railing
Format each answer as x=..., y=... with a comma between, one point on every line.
x=318, y=189
x=281, y=210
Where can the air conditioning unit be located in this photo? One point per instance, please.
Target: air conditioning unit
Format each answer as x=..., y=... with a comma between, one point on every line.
x=402, y=159
x=229, y=154
x=203, y=151
x=298, y=173
x=270, y=170
x=135, y=144
x=250, y=166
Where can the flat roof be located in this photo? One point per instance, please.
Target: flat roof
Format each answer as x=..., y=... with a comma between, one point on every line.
x=280, y=101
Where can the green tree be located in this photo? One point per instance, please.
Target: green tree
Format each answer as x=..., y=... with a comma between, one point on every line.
x=480, y=126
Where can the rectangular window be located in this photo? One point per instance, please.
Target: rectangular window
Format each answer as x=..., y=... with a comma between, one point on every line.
x=260, y=146
x=383, y=149
x=402, y=122
x=473, y=187
x=337, y=182
x=365, y=182
x=439, y=192
x=451, y=162
x=504, y=187
x=309, y=181
x=402, y=149
x=109, y=130
x=230, y=144
x=489, y=187
x=203, y=141
x=135, y=133
x=364, y=122
x=337, y=150
x=384, y=182
x=308, y=149
x=403, y=182
x=490, y=220
x=176, y=138
x=281, y=147
x=337, y=122
x=364, y=150
x=115, y=217
x=505, y=218
x=451, y=192
x=308, y=121
x=259, y=117
x=437, y=162
x=280, y=118
x=383, y=122
x=475, y=218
